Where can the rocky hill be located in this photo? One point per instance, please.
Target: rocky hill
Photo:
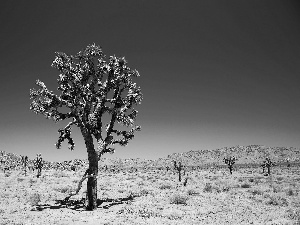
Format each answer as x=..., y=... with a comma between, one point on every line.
x=252, y=154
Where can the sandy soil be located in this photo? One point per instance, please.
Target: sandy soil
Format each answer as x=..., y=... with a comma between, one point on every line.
x=154, y=197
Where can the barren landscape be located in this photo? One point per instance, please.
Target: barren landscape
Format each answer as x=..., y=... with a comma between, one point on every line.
x=148, y=192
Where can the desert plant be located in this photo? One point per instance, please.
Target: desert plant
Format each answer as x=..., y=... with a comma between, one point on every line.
x=267, y=164
x=245, y=185
x=38, y=164
x=179, y=168
x=34, y=199
x=25, y=162
x=275, y=199
x=230, y=161
x=208, y=187
x=178, y=199
x=185, y=181
x=165, y=186
x=192, y=192
x=92, y=88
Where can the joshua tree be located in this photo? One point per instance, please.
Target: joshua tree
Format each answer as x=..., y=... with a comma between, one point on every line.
x=178, y=167
x=230, y=161
x=25, y=162
x=167, y=167
x=98, y=94
x=268, y=164
x=38, y=165
x=3, y=159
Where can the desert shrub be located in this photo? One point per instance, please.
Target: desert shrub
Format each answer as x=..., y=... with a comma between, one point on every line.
x=32, y=181
x=65, y=189
x=240, y=179
x=295, y=202
x=133, y=194
x=276, y=200
x=192, y=192
x=222, y=186
x=178, y=199
x=276, y=188
x=144, y=192
x=208, y=187
x=165, y=186
x=174, y=215
x=290, y=192
x=146, y=212
x=293, y=214
x=280, y=178
x=251, y=180
x=59, y=174
x=141, y=183
x=256, y=192
x=34, y=199
x=20, y=179
x=245, y=185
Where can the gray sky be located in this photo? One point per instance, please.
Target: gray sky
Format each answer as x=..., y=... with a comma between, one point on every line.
x=213, y=73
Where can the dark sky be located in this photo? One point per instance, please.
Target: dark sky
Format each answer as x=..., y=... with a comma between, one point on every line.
x=213, y=73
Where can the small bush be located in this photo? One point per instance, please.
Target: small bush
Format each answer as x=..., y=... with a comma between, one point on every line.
x=34, y=199
x=280, y=178
x=290, y=192
x=165, y=186
x=277, y=200
x=256, y=192
x=240, y=179
x=178, y=199
x=293, y=214
x=20, y=179
x=59, y=174
x=192, y=192
x=251, y=180
x=144, y=192
x=208, y=187
x=245, y=185
x=32, y=181
x=65, y=189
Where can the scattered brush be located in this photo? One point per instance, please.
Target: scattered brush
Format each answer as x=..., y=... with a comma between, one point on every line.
x=178, y=199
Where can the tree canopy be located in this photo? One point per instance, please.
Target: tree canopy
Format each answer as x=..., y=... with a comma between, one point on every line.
x=90, y=87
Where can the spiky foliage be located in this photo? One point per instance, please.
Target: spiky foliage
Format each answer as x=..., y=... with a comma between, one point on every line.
x=179, y=168
x=92, y=89
x=230, y=161
x=38, y=164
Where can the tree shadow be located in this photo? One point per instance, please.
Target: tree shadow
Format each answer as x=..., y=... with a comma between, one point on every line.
x=79, y=205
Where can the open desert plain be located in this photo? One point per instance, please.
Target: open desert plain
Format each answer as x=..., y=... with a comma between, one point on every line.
x=136, y=191
x=174, y=112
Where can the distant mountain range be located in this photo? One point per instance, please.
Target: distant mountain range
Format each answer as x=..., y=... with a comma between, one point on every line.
x=252, y=154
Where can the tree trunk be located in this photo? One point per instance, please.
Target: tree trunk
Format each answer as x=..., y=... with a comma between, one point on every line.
x=230, y=169
x=269, y=170
x=91, y=195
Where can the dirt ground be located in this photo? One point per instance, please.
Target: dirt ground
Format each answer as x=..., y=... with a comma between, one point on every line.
x=154, y=197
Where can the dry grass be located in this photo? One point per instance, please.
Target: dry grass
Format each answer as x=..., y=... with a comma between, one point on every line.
x=154, y=198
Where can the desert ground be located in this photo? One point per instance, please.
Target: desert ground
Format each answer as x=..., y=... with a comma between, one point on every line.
x=153, y=196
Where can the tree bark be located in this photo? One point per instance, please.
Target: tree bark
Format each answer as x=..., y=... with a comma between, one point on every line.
x=91, y=196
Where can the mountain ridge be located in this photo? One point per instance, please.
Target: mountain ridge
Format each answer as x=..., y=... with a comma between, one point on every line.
x=251, y=154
